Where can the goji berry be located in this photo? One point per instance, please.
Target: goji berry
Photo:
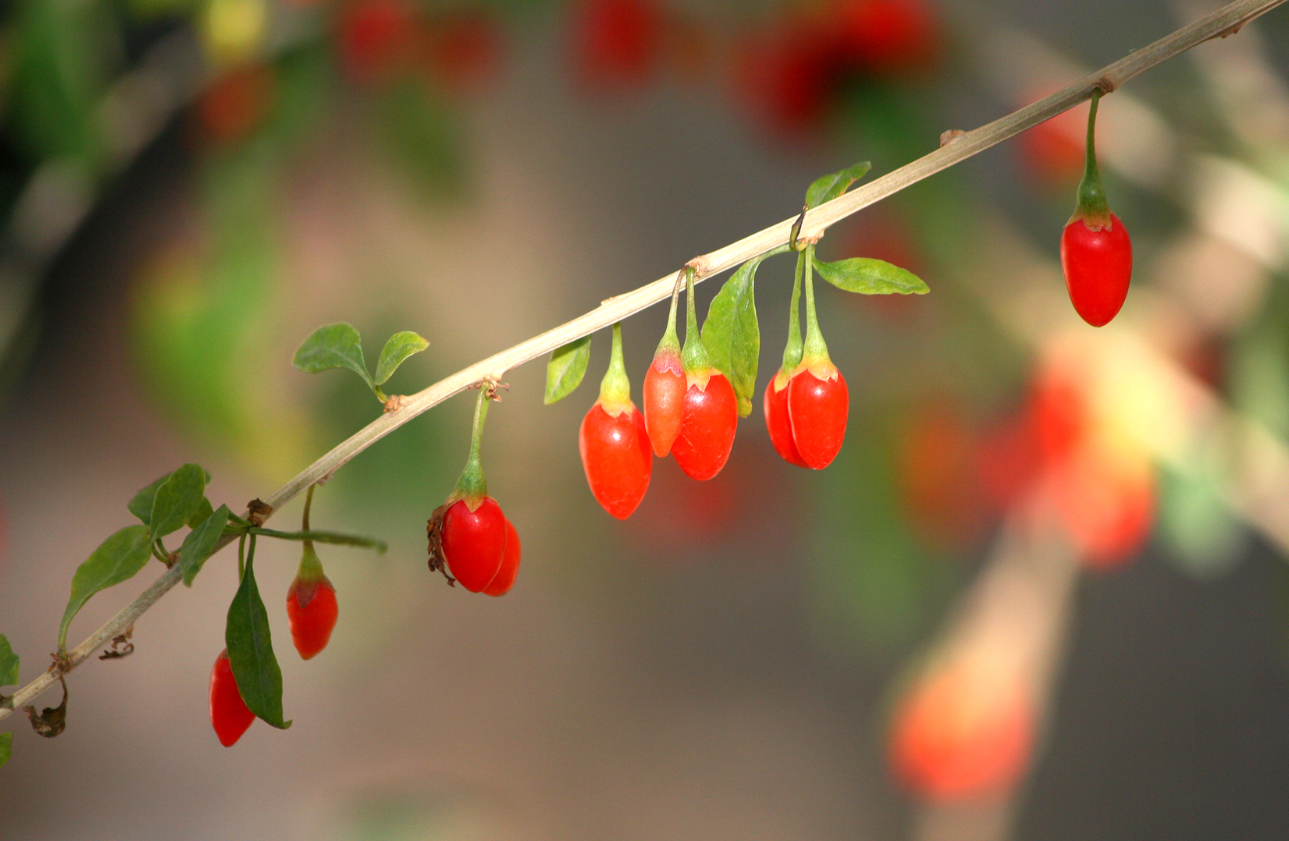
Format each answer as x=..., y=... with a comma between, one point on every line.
x=710, y=415
x=664, y=388
x=228, y=712
x=1096, y=252
x=614, y=442
x=818, y=400
x=505, y=578
x=311, y=605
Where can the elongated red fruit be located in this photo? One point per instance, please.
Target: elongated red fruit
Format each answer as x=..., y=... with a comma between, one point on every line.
x=1098, y=267
x=707, y=430
x=311, y=606
x=664, y=401
x=818, y=406
x=778, y=423
x=616, y=457
x=228, y=712
x=505, y=579
x=474, y=542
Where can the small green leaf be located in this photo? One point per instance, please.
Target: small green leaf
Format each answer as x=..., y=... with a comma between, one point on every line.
x=567, y=367
x=398, y=348
x=732, y=334
x=141, y=505
x=200, y=543
x=869, y=276
x=8, y=663
x=117, y=559
x=204, y=510
x=831, y=186
x=177, y=500
x=333, y=346
x=6, y=747
x=250, y=652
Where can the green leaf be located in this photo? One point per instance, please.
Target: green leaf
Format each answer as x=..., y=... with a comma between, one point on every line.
x=177, y=500
x=732, y=334
x=141, y=505
x=8, y=663
x=200, y=543
x=250, y=652
x=398, y=348
x=6, y=747
x=117, y=559
x=333, y=346
x=869, y=276
x=204, y=510
x=831, y=186
x=567, y=367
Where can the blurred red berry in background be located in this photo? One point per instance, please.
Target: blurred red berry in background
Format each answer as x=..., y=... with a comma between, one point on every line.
x=376, y=38
x=886, y=37
x=233, y=105
x=615, y=43
x=462, y=51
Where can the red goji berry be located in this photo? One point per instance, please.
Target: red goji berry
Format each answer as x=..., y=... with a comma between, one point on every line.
x=664, y=388
x=614, y=442
x=228, y=712
x=709, y=417
x=778, y=423
x=818, y=406
x=505, y=578
x=311, y=606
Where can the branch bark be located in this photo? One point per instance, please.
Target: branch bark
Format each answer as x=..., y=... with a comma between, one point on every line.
x=956, y=147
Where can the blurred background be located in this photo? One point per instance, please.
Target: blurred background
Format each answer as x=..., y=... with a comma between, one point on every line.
x=1040, y=594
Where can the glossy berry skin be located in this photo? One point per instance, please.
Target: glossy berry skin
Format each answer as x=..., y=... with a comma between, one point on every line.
x=1097, y=266
x=474, y=542
x=778, y=423
x=311, y=609
x=664, y=402
x=228, y=712
x=707, y=428
x=505, y=579
x=818, y=409
x=617, y=457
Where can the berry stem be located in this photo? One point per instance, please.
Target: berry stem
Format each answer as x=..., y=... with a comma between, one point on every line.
x=792, y=350
x=815, y=348
x=241, y=557
x=473, y=485
x=670, y=341
x=693, y=357
x=1091, y=207
x=615, y=388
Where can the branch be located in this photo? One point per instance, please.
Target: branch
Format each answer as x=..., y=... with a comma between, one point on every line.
x=956, y=147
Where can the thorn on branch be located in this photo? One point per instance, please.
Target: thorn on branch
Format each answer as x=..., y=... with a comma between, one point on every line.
x=257, y=511
x=796, y=229
x=53, y=720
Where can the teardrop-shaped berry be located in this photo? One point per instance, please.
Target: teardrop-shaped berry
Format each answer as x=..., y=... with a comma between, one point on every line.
x=1098, y=267
x=617, y=458
x=707, y=430
x=664, y=401
x=505, y=579
x=312, y=610
x=228, y=712
x=778, y=424
x=474, y=542
x=818, y=409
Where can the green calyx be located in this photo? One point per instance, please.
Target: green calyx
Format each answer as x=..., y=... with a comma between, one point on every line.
x=473, y=485
x=1091, y=206
x=693, y=356
x=669, y=345
x=815, y=350
x=615, y=388
x=310, y=569
x=793, y=349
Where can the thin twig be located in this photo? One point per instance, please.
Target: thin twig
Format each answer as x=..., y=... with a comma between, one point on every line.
x=957, y=148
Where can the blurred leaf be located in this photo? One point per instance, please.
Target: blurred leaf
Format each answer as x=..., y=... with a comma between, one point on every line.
x=250, y=652
x=118, y=559
x=177, y=500
x=399, y=347
x=141, y=505
x=732, y=334
x=333, y=346
x=420, y=133
x=566, y=368
x=6, y=747
x=869, y=276
x=831, y=186
x=8, y=663
x=1196, y=523
x=200, y=543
